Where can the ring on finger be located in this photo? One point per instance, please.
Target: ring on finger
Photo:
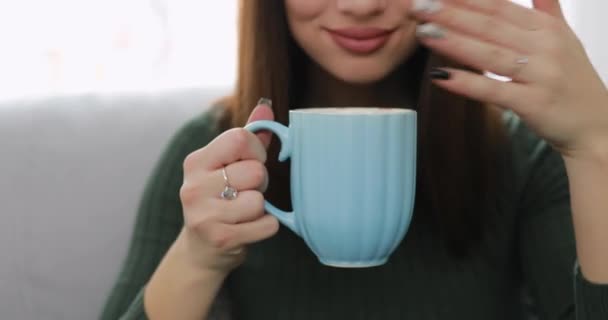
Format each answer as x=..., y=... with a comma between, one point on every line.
x=229, y=192
x=235, y=252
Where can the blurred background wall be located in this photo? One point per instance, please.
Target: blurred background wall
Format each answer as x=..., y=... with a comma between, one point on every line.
x=74, y=46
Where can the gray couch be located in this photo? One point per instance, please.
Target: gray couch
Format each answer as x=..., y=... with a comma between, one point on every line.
x=72, y=170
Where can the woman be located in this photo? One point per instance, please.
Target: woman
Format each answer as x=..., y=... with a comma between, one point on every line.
x=505, y=168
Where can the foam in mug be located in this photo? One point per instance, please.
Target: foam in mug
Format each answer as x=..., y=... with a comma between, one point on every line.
x=352, y=111
x=353, y=175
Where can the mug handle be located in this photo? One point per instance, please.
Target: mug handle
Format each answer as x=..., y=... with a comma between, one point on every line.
x=286, y=218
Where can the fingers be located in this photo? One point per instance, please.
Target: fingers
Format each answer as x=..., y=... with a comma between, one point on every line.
x=504, y=10
x=255, y=231
x=228, y=225
x=246, y=175
x=235, y=144
x=509, y=95
x=478, y=54
x=481, y=25
x=552, y=7
x=263, y=112
x=248, y=206
x=242, y=175
x=230, y=238
x=231, y=146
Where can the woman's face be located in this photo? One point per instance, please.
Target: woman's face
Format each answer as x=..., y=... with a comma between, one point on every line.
x=356, y=41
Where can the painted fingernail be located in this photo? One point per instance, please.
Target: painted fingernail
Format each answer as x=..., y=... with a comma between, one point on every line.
x=430, y=30
x=441, y=74
x=426, y=6
x=265, y=101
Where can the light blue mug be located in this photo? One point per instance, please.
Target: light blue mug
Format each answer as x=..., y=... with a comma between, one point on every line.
x=353, y=178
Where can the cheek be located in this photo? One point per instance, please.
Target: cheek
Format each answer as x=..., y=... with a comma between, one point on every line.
x=301, y=17
x=304, y=9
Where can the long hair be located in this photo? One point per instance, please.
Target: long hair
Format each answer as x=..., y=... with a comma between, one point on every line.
x=458, y=139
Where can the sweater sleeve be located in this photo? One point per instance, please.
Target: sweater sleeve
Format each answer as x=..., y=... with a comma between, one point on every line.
x=591, y=299
x=159, y=219
x=546, y=238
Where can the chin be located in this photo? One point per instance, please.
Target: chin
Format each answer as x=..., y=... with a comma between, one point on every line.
x=361, y=76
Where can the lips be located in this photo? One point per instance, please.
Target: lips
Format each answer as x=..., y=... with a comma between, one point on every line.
x=361, y=41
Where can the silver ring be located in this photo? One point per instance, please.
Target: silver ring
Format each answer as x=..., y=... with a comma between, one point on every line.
x=235, y=252
x=229, y=192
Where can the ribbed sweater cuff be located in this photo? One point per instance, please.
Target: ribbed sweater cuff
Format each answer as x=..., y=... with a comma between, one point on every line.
x=591, y=298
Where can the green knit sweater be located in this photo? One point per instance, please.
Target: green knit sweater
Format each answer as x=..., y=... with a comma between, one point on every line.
x=528, y=266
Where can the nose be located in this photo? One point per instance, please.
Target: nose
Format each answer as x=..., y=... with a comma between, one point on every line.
x=361, y=8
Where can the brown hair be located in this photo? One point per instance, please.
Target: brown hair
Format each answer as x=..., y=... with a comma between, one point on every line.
x=458, y=142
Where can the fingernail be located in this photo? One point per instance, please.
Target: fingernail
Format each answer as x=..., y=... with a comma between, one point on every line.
x=430, y=30
x=265, y=101
x=441, y=74
x=426, y=6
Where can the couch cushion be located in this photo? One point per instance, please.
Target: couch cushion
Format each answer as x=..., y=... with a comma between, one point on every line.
x=71, y=173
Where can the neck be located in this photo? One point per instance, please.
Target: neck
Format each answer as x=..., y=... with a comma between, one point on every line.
x=324, y=90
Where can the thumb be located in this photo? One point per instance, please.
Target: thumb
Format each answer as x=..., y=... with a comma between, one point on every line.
x=551, y=7
x=263, y=111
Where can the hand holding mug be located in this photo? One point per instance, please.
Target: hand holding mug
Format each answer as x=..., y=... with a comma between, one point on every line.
x=218, y=222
